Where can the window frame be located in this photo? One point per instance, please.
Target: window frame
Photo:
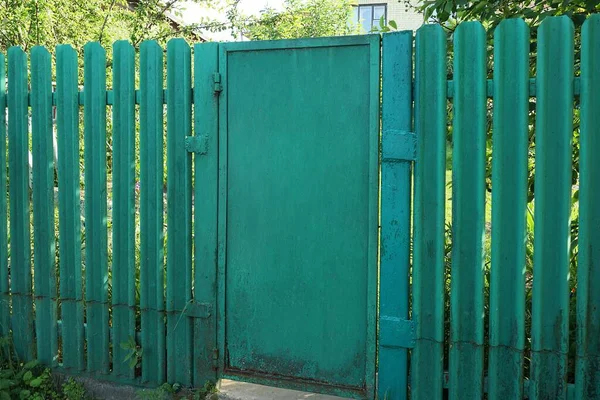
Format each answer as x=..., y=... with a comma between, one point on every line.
x=372, y=7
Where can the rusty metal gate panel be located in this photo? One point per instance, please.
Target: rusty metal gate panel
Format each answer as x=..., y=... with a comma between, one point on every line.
x=298, y=201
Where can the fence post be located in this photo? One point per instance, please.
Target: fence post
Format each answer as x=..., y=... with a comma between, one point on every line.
x=43, y=206
x=4, y=290
x=152, y=279
x=20, y=239
x=587, y=375
x=398, y=153
x=179, y=210
x=509, y=208
x=69, y=209
x=428, y=284
x=468, y=213
x=123, y=175
x=206, y=127
x=96, y=229
x=553, y=162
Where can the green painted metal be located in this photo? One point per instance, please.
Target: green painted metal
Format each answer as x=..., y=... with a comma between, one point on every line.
x=428, y=283
x=4, y=283
x=179, y=212
x=206, y=128
x=396, y=171
x=468, y=212
x=43, y=207
x=96, y=268
x=285, y=213
x=588, y=273
x=554, y=130
x=152, y=298
x=509, y=207
x=20, y=242
x=123, y=180
x=69, y=208
x=298, y=212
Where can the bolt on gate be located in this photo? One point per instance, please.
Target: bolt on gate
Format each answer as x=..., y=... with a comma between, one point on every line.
x=226, y=226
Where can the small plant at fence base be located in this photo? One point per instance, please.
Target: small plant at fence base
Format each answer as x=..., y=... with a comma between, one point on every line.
x=73, y=390
x=32, y=381
x=134, y=353
x=166, y=391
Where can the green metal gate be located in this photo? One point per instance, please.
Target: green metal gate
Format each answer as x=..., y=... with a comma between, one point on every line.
x=297, y=221
x=271, y=203
x=273, y=168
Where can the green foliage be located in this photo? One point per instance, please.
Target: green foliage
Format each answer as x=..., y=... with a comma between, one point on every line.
x=208, y=389
x=492, y=12
x=31, y=381
x=73, y=390
x=165, y=392
x=134, y=353
x=383, y=27
x=299, y=19
x=50, y=22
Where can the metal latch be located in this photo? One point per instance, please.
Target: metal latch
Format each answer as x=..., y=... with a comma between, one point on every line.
x=217, y=82
x=197, y=144
x=396, y=332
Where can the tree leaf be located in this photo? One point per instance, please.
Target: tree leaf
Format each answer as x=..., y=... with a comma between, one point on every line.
x=428, y=13
x=448, y=7
x=36, y=382
x=6, y=383
x=31, y=364
x=6, y=374
x=27, y=377
x=393, y=24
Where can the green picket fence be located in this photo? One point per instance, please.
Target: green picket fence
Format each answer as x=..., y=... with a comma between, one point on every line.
x=83, y=340
x=491, y=356
x=94, y=308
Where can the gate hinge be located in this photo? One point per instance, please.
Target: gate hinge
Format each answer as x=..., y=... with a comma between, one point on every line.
x=215, y=359
x=217, y=82
x=396, y=332
x=398, y=146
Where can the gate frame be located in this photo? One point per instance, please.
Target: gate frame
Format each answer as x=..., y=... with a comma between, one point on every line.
x=396, y=331
x=374, y=43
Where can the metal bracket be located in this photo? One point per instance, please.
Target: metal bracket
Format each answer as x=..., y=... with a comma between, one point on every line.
x=197, y=144
x=198, y=310
x=399, y=146
x=396, y=332
x=217, y=81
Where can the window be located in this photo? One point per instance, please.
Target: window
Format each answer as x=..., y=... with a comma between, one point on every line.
x=369, y=15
